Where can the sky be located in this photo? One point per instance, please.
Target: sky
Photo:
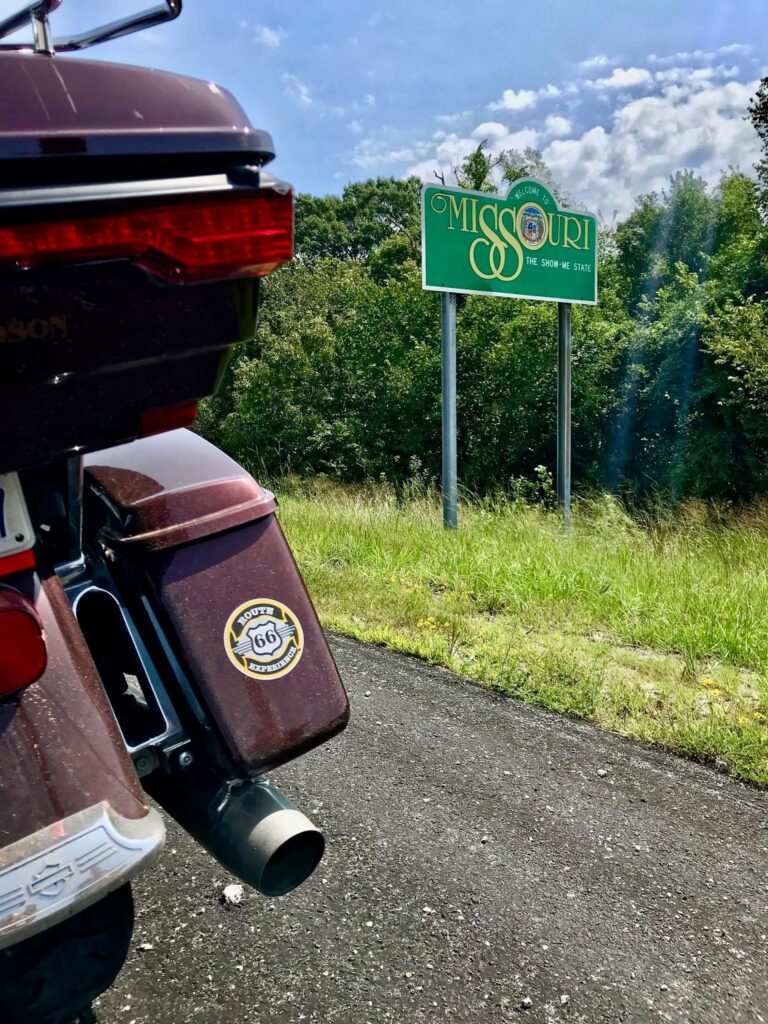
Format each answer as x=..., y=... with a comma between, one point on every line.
x=617, y=94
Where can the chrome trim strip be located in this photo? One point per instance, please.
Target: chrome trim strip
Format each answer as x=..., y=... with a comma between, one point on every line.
x=65, y=867
x=248, y=181
x=36, y=196
x=172, y=730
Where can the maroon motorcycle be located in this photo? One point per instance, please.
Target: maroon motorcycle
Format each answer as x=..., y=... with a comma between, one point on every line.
x=155, y=634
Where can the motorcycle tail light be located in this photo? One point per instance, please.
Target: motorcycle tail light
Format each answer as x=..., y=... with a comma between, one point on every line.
x=242, y=235
x=167, y=417
x=23, y=654
x=17, y=562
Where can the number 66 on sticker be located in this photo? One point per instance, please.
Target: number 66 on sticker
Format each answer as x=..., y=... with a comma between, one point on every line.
x=263, y=639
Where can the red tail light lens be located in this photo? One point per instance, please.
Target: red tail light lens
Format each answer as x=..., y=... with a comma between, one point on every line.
x=167, y=417
x=17, y=562
x=23, y=655
x=244, y=235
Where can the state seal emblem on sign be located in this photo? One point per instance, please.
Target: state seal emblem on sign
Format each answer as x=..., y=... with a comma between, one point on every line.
x=532, y=226
x=264, y=639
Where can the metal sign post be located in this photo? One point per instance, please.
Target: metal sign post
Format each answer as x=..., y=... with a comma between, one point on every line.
x=564, y=411
x=448, y=382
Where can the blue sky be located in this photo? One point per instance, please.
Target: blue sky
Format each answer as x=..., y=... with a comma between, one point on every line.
x=616, y=94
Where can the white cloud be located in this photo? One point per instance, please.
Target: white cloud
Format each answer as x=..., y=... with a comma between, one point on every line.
x=512, y=100
x=699, y=56
x=557, y=126
x=694, y=120
x=684, y=116
x=600, y=60
x=742, y=48
x=624, y=78
x=365, y=104
x=681, y=56
x=384, y=147
x=652, y=137
x=297, y=90
x=673, y=76
x=268, y=36
x=490, y=130
x=452, y=118
x=355, y=127
x=692, y=78
x=522, y=99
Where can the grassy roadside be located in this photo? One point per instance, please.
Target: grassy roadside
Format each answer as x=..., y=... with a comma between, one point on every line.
x=658, y=633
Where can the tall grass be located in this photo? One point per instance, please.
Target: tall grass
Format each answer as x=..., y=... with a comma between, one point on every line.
x=656, y=628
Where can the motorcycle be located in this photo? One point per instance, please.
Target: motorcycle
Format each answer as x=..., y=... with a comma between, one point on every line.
x=156, y=637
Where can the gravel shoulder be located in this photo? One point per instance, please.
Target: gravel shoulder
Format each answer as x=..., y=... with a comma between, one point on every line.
x=487, y=861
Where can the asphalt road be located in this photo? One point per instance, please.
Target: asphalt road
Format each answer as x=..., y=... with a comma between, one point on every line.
x=487, y=862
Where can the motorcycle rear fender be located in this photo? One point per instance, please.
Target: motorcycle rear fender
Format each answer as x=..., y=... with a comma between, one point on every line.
x=74, y=822
x=206, y=541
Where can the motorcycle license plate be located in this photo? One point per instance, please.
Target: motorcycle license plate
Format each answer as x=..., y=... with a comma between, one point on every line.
x=15, y=527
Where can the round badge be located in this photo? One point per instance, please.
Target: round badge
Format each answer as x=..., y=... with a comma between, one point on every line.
x=532, y=225
x=263, y=639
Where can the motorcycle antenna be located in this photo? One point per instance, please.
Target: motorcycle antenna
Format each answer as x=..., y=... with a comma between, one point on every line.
x=37, y=13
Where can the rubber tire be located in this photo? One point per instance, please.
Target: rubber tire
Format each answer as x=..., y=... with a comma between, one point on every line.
x=55, y=976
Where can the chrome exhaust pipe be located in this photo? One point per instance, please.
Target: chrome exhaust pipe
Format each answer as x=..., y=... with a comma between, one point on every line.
x=266, y=841
x=249, y=827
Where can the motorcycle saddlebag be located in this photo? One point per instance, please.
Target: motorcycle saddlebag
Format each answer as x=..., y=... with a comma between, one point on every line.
x=205, y=538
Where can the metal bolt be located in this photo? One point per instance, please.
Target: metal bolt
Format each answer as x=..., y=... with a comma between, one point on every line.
x=143, y=764
x=19, y=538
x=186, y=759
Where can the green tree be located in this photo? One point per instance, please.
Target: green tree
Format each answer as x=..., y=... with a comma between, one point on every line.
x=529, y=164
x=758, y=115
x=670, y=368
x=476, y=169
x=677, y=227
x=637, y=242
x=366, y=214
x=739, y=265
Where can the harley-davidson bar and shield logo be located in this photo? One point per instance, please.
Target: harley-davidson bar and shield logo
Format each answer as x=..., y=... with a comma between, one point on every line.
x=264, y=639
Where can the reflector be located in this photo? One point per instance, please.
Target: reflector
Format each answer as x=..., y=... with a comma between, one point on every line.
x=243, y=235
x=23, y=655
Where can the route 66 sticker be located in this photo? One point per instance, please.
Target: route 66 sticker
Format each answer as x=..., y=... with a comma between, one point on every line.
x=263, y=639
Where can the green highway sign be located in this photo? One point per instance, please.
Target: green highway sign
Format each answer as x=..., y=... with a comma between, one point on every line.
x=518, y=245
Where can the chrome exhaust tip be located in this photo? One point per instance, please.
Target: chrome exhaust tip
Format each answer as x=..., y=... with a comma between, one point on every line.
x=250, y=828
x=266, y=841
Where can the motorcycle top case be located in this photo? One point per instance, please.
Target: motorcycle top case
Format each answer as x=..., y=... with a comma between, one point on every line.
x=206, y=539
x=93, y=342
